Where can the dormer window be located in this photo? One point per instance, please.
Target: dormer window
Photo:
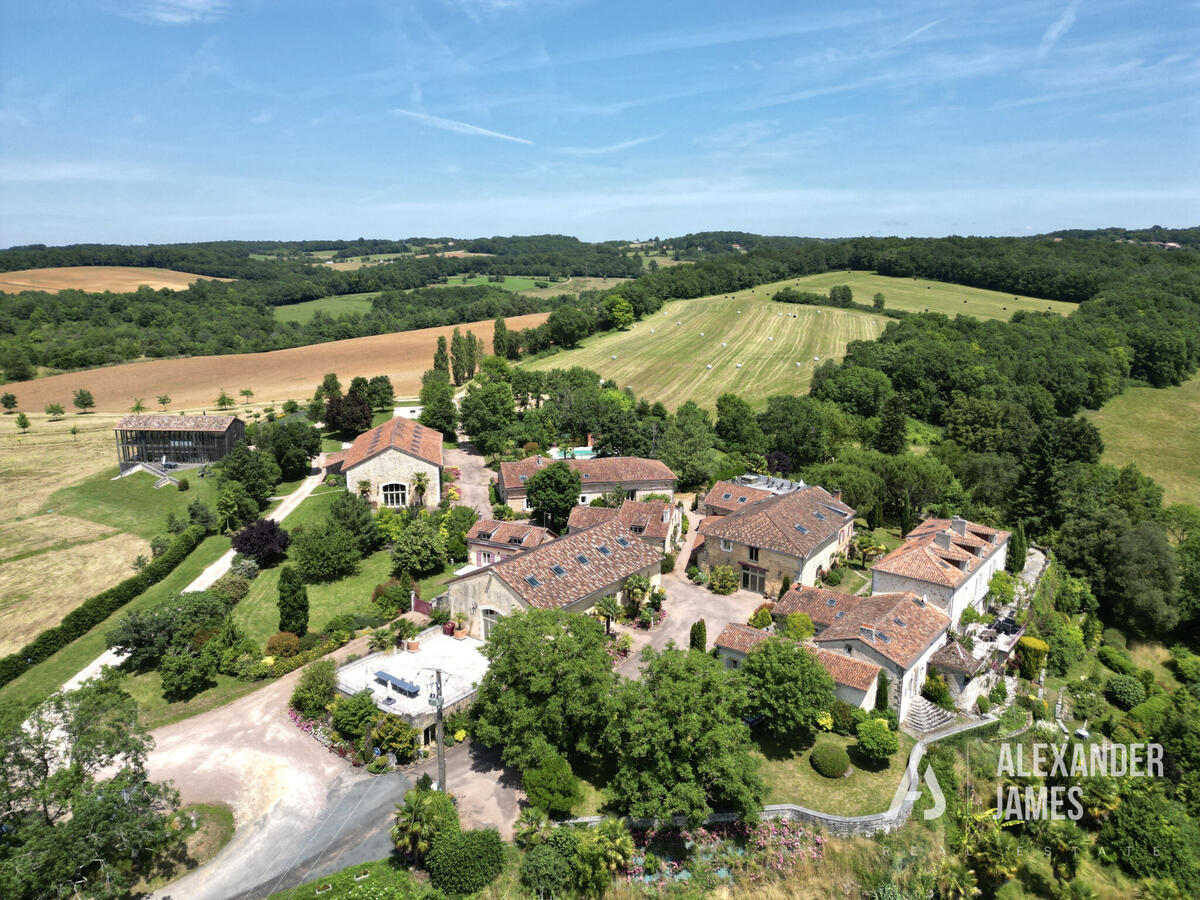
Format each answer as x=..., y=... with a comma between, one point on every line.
x=637, y=529
x=515, y=540
x=866, y=633
x=484, y=536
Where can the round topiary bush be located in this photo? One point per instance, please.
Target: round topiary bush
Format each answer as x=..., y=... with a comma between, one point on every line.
x=465, y=862
x=830, y=759
x=545, y=871
x=1124, y=691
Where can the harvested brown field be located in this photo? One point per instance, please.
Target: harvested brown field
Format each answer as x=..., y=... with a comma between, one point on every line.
x=47, y=532
x=194, y=383
x=96, y=278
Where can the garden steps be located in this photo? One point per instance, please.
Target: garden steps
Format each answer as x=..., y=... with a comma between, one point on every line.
x=924, y=717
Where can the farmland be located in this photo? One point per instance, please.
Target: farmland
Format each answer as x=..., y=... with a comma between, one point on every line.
x=667, y=362
x=920, y=295
x=96, y=278
x=194, y=383
x=1159, y=430
x=331, y=306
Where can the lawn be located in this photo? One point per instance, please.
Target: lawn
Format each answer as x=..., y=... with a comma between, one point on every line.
x=331, y=306
x=665, y=361
x=47, y=677
x=792, y=779
x=920, y=295
x=384, y=874
x=510, y=283
x=1159, y=430
x=131, y=504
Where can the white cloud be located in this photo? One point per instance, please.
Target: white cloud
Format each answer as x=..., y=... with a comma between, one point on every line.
x=610, y=148
x=456, y=126
x=173, y=12
x=1060, y=27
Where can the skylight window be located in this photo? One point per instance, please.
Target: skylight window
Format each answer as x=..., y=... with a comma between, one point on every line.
x=832, y=601
x=582, y=560
x=532, y=581
x=726, y=496
x=587, y=474
x=741, y=499
x=603, y=550
x=840, y=613
x=800, y=528
x=900, y=622
x=622, y=542
x=524, y=477
x=883, y=637
x=558, y=570
x=818, y=515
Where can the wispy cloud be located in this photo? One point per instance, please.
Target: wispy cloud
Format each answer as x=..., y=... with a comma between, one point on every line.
x=1060, y=27
x=913, y=34
x=27, y=171
x=456, y=126
x=172, y=12
x=610, y=148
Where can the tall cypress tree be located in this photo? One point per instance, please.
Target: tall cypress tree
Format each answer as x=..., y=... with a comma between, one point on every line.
x=500, y=338
x=458, y=356
x=441, y=359
x=906, y=515
x=892, y=437
x=293, y=602
x=1018, y=546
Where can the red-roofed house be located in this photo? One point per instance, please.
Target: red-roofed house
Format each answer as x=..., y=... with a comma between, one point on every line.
x=656, y=522
x=635, y=476
x=490, y=540
x=854, y=680
x=381, y=464
x=947, y=561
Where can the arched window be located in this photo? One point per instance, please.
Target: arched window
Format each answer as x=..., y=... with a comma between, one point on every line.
x=395, y=495
x=490, y=617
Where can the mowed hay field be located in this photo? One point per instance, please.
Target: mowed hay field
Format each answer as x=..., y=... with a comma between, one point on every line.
x=194, y=383
x=117, y=279
x=667, y=362
x=331, y=306
x=1159, y=430
x=919, y=295
x=51, y=562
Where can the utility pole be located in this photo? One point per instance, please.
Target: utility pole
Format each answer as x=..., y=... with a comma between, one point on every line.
x=441, y=743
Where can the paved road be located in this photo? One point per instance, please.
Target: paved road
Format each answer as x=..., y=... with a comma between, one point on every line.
x=475, y=476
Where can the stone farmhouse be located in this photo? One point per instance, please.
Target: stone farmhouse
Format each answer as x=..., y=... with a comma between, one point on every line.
x=635, y=476
x=382, y=464
x=654, y=521
x=947, y=561
x=854, y=680
x=798, y=534
x=153, y=439
x=898, y=632
x=490, y=540
x=571, y=573
x=726, y=497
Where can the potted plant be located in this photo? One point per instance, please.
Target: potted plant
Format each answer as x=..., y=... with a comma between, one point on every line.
x=460, y=626
x=406, y=633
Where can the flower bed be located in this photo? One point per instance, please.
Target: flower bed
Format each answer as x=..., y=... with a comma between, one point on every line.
x=325, y=736
x=659, y=618
x=733, y=852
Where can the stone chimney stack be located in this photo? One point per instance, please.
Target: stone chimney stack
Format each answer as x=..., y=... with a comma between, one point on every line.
x=836, y=493
x=942, y=540
x=959, y=524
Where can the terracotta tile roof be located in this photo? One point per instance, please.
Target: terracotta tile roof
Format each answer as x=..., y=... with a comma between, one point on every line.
x=727, y=496
x=819, y=604
x=607, y=471
x=509, y=534
x=957, y=658
x=943, y=551
x=876, y=621
x=612, y=555
x=582, y=517
x=855, y=673
x=334, y=460
x=400, y=434
x=653, y=517
x=162, y=422
x=795, y=524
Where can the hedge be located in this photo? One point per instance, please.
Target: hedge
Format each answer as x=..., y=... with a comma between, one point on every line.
x=1117, y=661
x=465, y=862
x=95, y=610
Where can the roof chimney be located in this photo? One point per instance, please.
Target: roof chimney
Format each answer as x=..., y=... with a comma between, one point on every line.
x=959, y=524
x=539, y=460
x=942, y=540
x=836, y=493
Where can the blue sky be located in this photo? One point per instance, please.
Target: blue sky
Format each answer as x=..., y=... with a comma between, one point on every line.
x=169, y=120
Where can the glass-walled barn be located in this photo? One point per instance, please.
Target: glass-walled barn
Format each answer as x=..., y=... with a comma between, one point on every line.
x=182, y=440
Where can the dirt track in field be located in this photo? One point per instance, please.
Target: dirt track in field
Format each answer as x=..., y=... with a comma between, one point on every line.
x=194, y=383
x=97, y=278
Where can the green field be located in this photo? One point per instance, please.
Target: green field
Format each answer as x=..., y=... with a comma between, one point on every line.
x=1159, y=429
x=667, y=362
x=131, y=504
x=510, y=283
x=331, y=306
x=919, y=295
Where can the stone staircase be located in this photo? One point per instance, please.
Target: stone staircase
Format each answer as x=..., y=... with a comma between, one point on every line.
x=925, y=717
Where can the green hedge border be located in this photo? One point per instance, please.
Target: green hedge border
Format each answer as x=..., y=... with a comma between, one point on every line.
x=95, y=610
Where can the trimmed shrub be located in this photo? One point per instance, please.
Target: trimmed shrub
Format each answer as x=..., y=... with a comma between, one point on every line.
x=761, y=617
x=1116, y=660
x=316, y=688
x=1124, y=691
x=830, y=759
x=983, y=704
x=465, y=862
x=1031, y=653
x=698, y=636
x=284, y=644
x=693, y=572
x=876, y=741
x=722, y=580
x=183, y=484
x=935, y=690
x=552, y=787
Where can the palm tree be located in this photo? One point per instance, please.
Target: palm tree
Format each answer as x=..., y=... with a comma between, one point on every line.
x=531, y=827
x=380, y=639
x=1075, y=889
x=138, y=406
x=610, y=609
x=420, y=484
x=1067, y=844
x=996, y=857
x=415, y=827
x=616, y=844
x=956, y=882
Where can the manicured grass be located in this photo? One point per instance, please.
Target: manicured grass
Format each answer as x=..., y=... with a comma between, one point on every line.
x=131, y=504
x=155, y=710
x=48, y=676
x=792, y=779
x=1159, y=430
x=920, y=295
x=388, y=872
x=331, y=306
x=510, y=282
x=669, y=364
